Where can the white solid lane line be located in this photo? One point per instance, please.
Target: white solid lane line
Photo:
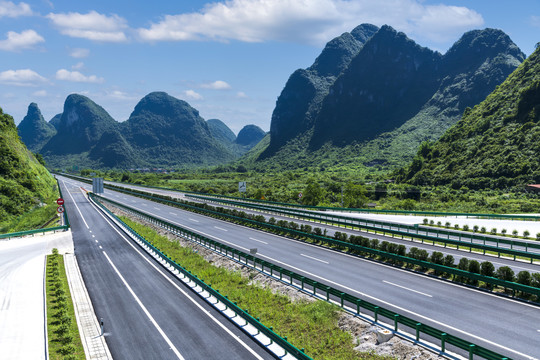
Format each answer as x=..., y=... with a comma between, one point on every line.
x=314, y=258
x=161, y=332
x=406, y=288
x=264, y=242
x=222, y=229
x=151, y=263
x=79, y=210
x=193, y=220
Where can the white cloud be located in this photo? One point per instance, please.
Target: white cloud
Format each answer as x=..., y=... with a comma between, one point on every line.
x=120, y=95
x=190, y=94
x=23, y=77
x=19, y=41
x=40, y=93
x=241, y=95
x=79, y=53
x=535, y=21
x=217, y=85
x=9, y=9
x=78, y=66
x=309, y=21
x=76, y=76
x=92, y=26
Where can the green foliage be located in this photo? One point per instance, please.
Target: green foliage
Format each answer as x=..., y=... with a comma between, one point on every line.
x=495, y=144
x=63, y=333
x=24, y=183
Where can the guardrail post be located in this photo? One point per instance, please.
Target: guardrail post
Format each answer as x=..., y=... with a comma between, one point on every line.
x=314, y=288
x=418, y=325
x=342, y=295
x=302, y=279
x=376, y=313
x=471, y=351
x=443, y=342
x=396, y=317
x=328, y=293
x=358, y=302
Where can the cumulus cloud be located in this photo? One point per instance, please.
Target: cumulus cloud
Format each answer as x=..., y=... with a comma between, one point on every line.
x=76, y=76
x=217, y=85
x=191, y=94
x=20, y=41
x=9, y=9
x=23, y=77
x=92, y=26
x=79, y=53
x=308, y=21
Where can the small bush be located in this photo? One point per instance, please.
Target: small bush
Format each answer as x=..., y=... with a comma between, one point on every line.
x=487, y=269
x=466, y=227
x=439, y=223
x=67, y=349
x=425, y=221
x=456, y=226
x=493, y=231
x=503, y=231
x=447, y=224
x=526, y=233
x=515, y=233
x=537, y=236
x=475, y=228
x=483, y=230
x=449, y=261
x=431, y=222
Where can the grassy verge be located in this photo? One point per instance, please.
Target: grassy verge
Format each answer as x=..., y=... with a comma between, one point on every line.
x=309, y=325
x=63, y=334
x=31, y=220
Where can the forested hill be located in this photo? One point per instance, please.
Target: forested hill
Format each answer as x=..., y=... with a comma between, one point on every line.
x=24, y=182
x=387, y=96
x=495, y=144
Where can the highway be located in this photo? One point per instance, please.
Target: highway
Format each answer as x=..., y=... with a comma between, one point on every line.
x=504, y=325
x=147, y=312
x=516, y=265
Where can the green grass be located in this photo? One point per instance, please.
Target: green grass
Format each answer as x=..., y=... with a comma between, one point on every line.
x=63, y=334
x=31, y=220
x=309, y=325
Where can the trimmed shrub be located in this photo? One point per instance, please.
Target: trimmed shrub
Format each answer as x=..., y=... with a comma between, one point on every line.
x=487, y=269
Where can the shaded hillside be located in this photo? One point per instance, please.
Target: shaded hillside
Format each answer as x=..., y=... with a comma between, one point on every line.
x=391, y=96
x=249, y=136
x=301, y=98
x=83, y=126
x=55, y=121
x=495, y=144
x=34, y=130
x=24, y=182
x=221, y=132
x=166, y=131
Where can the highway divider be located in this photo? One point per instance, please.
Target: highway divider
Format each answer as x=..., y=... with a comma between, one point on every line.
x=402, y=230
x=282, y=342
x=350, y=247
x=347, y=301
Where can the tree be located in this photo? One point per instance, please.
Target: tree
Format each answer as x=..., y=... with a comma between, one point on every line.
x=354, y=196
x=505, y=273
x=313, y=193
x=487, y=269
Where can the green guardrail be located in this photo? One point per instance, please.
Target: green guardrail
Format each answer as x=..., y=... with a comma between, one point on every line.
x=347, y=245
x=349, y=302
x=288, y=347
x=324, y=208
x=395, y=229
x=66, y=218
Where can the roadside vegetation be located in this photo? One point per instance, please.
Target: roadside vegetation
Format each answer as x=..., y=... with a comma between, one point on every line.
x=62, y=332
x=324, y=188
x=312, y=325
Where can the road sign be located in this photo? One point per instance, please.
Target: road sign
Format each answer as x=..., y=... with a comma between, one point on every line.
x=299, y=195
x=242, y=186
x=60, y=209
x=60, y=201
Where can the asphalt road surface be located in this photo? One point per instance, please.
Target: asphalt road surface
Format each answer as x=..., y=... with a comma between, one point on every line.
x=145, y=314
x=504, y=325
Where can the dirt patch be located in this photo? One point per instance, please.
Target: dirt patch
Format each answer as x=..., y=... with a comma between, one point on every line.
x=364, y=333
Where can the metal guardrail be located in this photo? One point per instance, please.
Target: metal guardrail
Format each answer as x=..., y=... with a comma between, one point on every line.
x=347, y=245
x=321, y=290
x=396, y=229
x=288, y=347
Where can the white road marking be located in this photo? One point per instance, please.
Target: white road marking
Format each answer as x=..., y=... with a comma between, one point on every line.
x=156, y=208
x=222, y=229
x=79, y=210
x=264, y=242
x=172, y=213
x=406, y=288
x=179, y=288
x=93, y=236
x=402, y=309
x=193, y=220
x=100, y=247
x=143, y=204
x=162, y=333
x=314, y=258
x=97, y=241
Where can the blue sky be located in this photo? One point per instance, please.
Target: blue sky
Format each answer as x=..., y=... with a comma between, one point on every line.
x=228, y=59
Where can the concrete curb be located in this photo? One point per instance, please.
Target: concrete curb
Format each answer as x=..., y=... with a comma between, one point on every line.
x=95, y=346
